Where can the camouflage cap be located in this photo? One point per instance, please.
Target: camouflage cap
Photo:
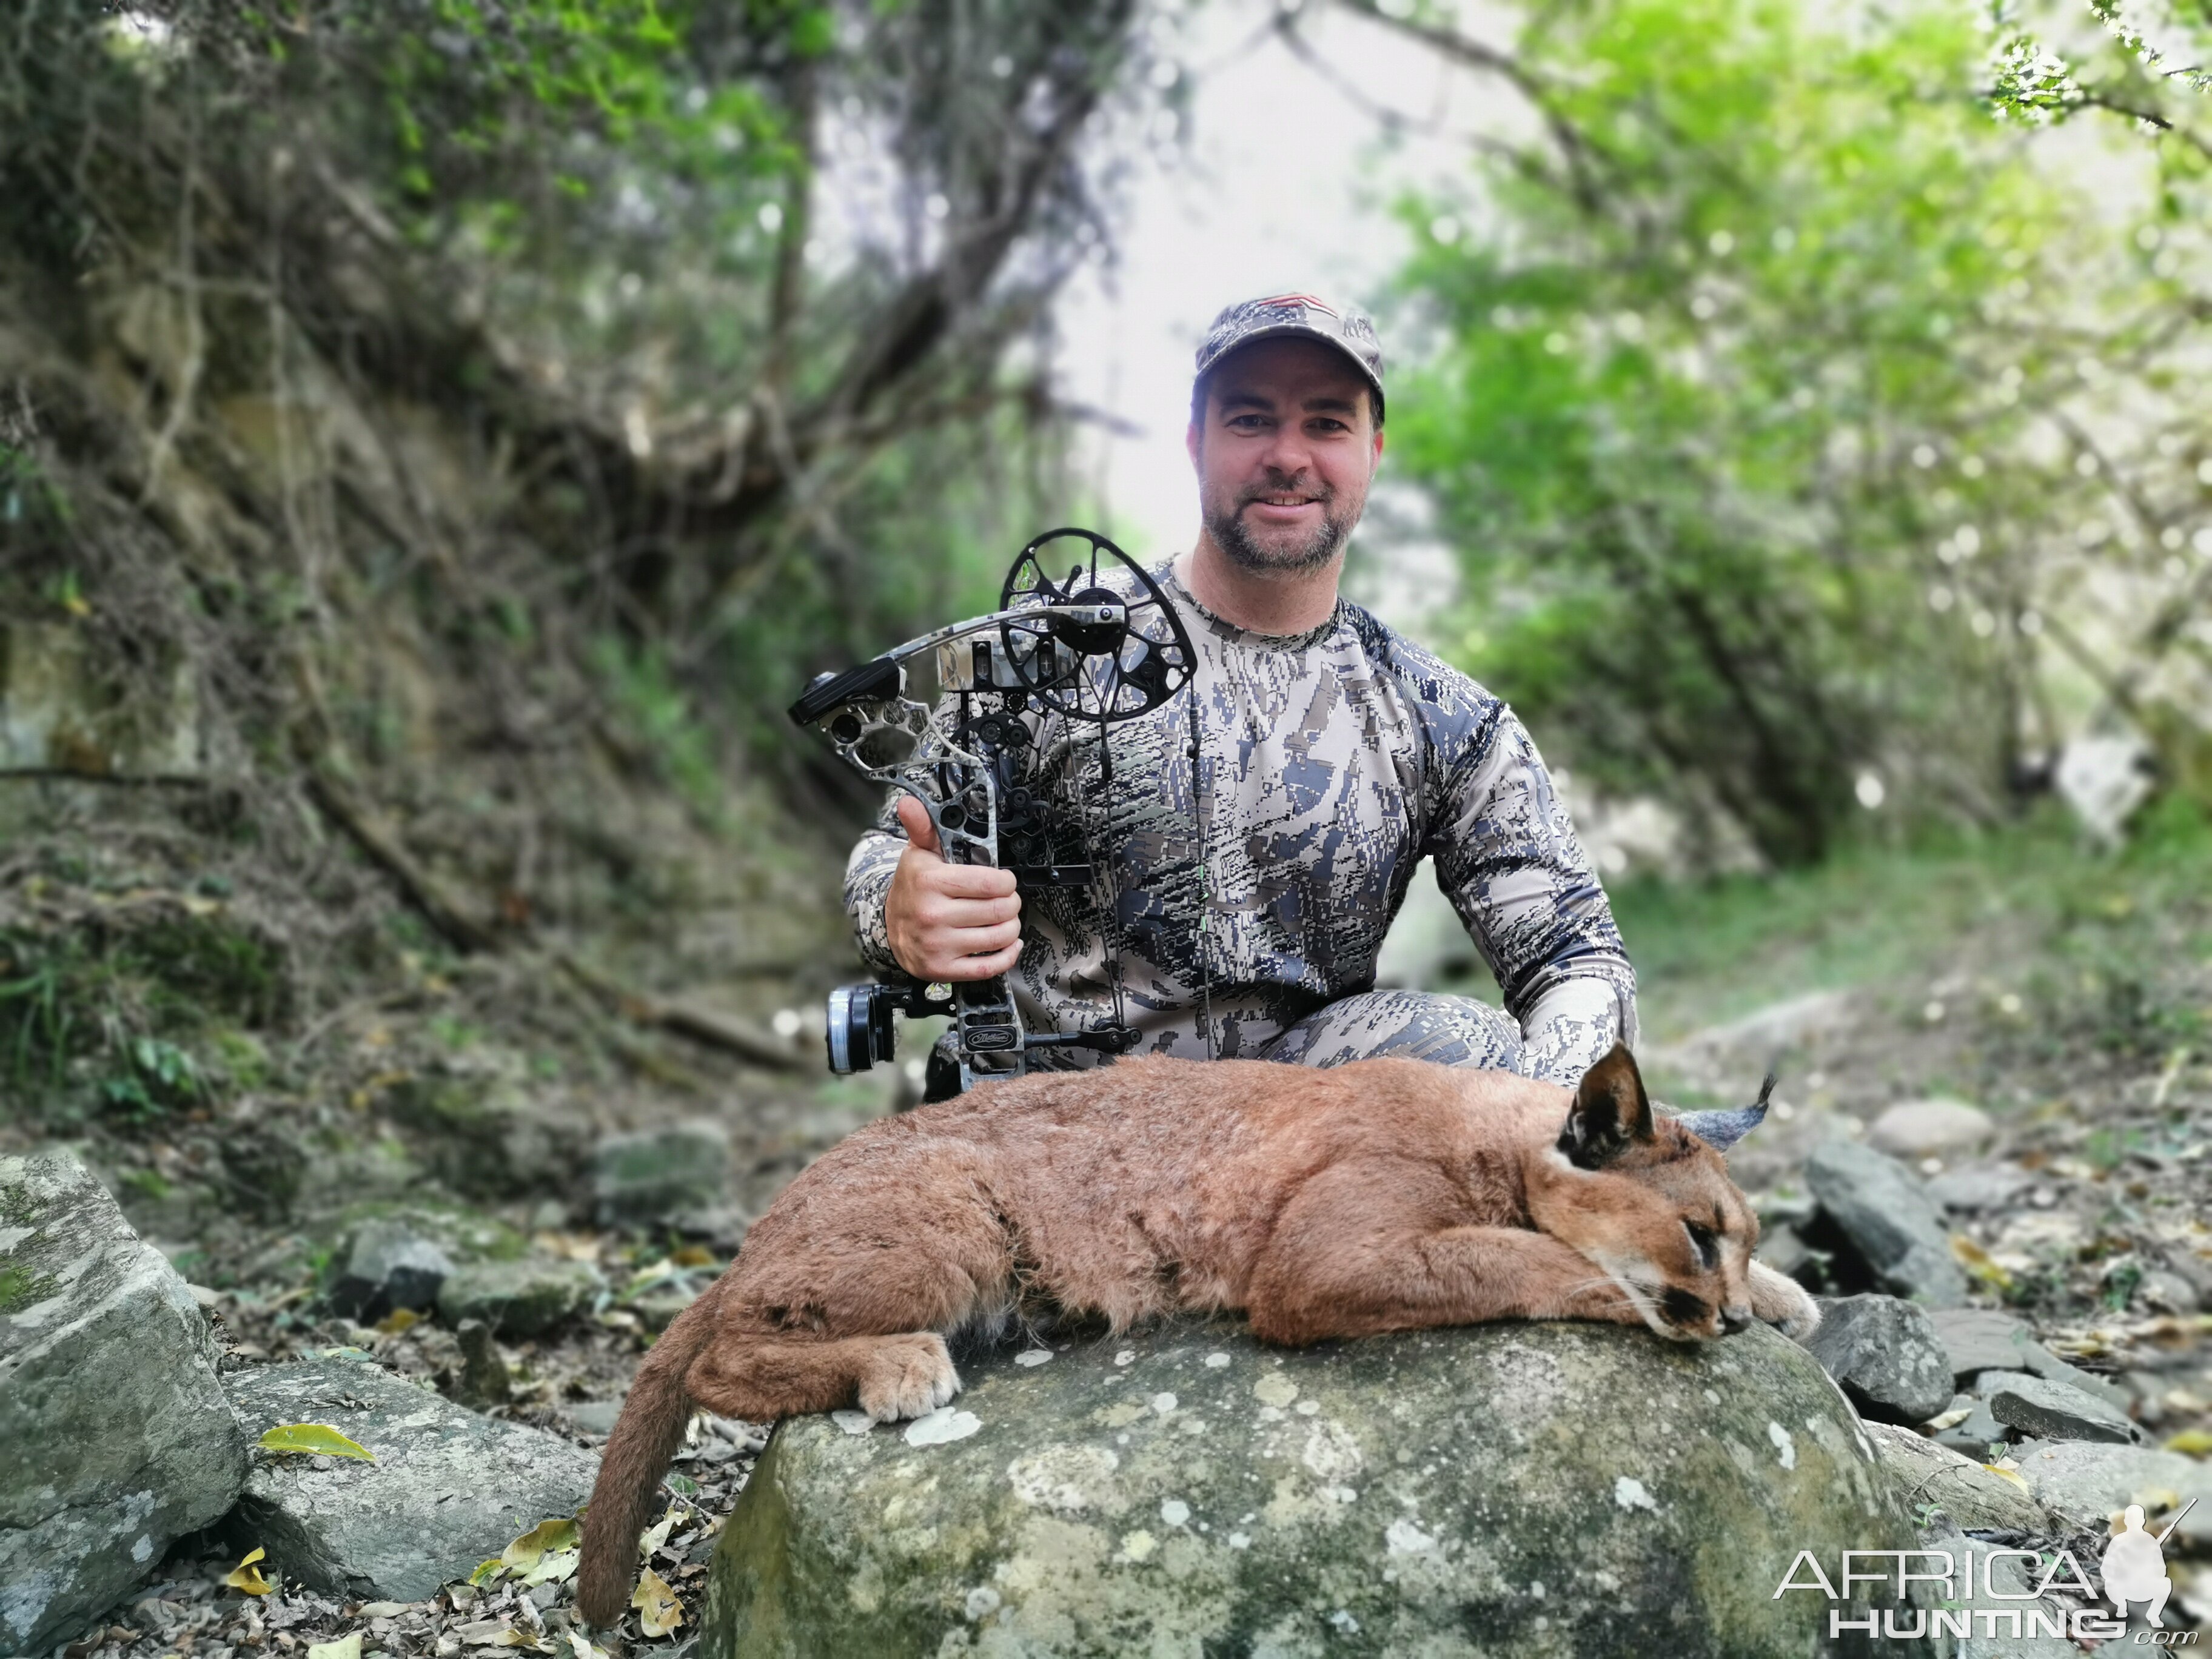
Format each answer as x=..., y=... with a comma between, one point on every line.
x=1281, y=316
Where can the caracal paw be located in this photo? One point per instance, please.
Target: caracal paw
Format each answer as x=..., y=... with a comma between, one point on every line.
x=908, y=1377
x=1782, y=1303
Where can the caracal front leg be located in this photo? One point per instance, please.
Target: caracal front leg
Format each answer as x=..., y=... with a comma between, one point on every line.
x=1385, y=1245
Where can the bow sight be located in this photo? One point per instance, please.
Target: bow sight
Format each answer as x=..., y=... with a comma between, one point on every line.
x=992, y=768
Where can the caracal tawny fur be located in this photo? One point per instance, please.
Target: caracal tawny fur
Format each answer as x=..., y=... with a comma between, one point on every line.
x=1383, y=1195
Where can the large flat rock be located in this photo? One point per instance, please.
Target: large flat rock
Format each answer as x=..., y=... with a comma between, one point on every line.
x=448, y=1489
x=115, y=1438
x=1531, y=1490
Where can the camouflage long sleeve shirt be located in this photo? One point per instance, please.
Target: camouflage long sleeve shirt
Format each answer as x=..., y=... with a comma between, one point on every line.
x=1248, y=885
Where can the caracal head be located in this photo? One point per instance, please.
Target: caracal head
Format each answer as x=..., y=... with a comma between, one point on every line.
x=1650, y=1203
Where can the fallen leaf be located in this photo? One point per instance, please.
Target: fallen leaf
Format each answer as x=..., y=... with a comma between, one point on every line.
x=2192, y=1443
x=546, y=1536
x=487, y=1570
x=381, y=1609
x=481, y=1632
x=398, y=1319
x=659, y=1612
x=1980, y=1264
x=555, y=1567
x=581, y=1646
x=657, y=1534
x=313, y=1439
x=696, y=1255
x=2013, y=1475
x=243, y=1576
x=346, y=1647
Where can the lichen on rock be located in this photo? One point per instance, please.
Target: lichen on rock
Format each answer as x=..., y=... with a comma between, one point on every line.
x=1446, y=1493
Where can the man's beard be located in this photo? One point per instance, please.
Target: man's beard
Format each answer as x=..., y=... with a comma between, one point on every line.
x=1232, y=536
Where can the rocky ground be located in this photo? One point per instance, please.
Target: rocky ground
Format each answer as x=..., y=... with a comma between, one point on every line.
x=473, y=1178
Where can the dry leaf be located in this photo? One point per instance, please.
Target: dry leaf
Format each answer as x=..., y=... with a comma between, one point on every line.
x=398, y=1319
x=581, y=1646
x=243, y=1576
x=696, y=1255
x=556, y=1567
x=487, y=1570
x=1979, y=1263
x=657, y=1534
x=313, y=1439
x=346, y=1647
x=541, y=1540
x=659, y=1612
x=2013, y=1475
x=2192, y=1443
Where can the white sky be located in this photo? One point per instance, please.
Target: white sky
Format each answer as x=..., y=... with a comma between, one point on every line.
x=1270, y=192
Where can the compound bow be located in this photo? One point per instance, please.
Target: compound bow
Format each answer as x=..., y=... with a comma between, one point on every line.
x=1100, y=647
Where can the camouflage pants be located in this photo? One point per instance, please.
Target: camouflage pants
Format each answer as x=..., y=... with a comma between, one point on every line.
x=1399, y=1024
x=1404, y=1025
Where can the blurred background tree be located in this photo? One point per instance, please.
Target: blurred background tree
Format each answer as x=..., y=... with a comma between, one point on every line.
x=1810, y=439
x=488, y=390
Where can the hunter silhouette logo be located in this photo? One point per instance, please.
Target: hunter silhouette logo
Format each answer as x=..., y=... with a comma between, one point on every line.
x=2134, y=1564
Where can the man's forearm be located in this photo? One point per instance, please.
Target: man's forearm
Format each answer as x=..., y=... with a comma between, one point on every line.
x=1568, y=1029
x=867, y=887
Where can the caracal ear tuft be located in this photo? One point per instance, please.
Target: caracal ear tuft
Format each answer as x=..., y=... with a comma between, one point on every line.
x=1722, y=1130
x=1611, y=1112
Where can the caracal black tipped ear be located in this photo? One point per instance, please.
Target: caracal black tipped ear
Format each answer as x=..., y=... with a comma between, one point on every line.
x=1722, y=1130
x=1611, y=1112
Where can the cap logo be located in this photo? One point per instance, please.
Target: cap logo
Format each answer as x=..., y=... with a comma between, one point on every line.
x=1287, y=301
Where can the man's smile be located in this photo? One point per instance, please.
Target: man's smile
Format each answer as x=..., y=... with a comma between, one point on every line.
x=1282, y=506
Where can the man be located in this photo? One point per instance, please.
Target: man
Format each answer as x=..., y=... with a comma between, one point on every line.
x=1261, y=826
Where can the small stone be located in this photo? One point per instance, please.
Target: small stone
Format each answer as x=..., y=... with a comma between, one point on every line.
x=2168, y=1292
x=1974, y=1435
x=1885, y=1355
x=519, y=1299
x=1884, y=1213
x=645, y=1177
x=2052, y=1410
x=388, y=1265
x=1980, y=1340
x=484, y=1380
x=1931, y=1129
x=448, y=1488
x=657, y=1310
x=593, y=1416
x=1984, y=1187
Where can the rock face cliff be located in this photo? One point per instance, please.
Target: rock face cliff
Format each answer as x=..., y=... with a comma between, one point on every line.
x=1530, y=1490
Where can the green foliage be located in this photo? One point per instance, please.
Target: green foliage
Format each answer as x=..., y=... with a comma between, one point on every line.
x=156, y=1078
x=1742, y=413
x=109, y=1017
x=2142, y=59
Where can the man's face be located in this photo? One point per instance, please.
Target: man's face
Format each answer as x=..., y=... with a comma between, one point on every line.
x=1285, y=454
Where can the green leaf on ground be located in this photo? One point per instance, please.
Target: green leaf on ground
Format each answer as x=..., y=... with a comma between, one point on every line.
x=313, y=1439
